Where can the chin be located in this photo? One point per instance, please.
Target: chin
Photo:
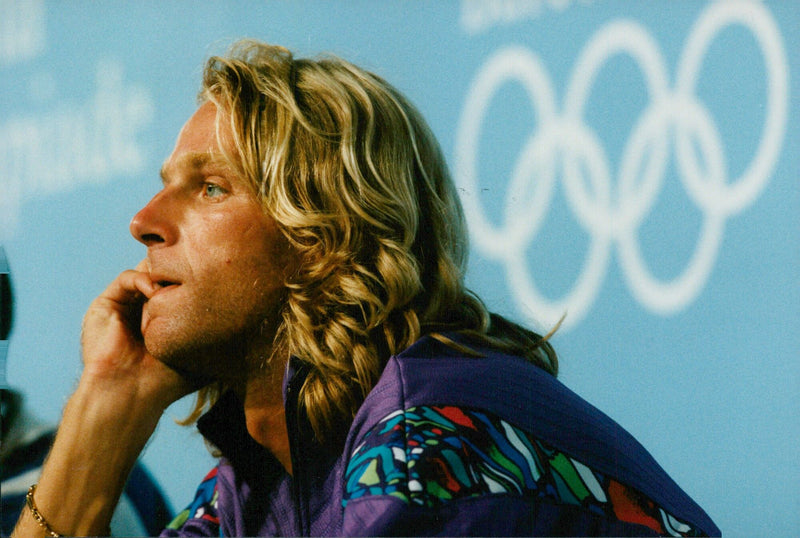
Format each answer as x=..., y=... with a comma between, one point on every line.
x=199, y=362
x=190, y=367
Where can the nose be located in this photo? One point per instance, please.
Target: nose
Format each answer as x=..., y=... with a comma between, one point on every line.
x=152, y=225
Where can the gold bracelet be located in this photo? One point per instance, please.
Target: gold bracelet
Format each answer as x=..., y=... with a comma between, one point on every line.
x=37, y=515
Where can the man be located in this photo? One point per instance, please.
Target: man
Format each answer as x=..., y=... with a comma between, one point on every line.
x=304, y=269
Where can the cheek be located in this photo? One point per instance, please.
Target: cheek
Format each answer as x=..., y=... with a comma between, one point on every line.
x=273, y=252
x=283, y=256
x=241, y=248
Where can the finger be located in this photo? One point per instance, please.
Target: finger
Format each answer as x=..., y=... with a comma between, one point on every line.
x=130, y=286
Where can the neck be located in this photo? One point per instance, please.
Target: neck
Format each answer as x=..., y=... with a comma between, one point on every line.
x=264, y=409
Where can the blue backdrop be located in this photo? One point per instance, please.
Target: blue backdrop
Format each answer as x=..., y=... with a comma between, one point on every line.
x=633, y=164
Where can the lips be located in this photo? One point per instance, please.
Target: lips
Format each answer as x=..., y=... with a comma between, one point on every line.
x=164, y=283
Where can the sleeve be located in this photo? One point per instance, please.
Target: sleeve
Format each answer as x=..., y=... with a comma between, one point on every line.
x=201, y=517
x=451, y=471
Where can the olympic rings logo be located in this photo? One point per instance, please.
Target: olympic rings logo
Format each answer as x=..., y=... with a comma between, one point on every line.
x=563, y=145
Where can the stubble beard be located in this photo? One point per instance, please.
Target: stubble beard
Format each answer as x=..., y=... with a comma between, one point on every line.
x=202, y=355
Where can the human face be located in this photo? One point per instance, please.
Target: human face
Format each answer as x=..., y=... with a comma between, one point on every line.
x=220, y=260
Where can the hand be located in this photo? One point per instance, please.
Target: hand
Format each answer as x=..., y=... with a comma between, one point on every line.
x=114, y=352
x=109, y=418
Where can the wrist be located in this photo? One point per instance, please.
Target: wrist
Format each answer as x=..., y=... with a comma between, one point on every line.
x=113, y=410
x=140, y=396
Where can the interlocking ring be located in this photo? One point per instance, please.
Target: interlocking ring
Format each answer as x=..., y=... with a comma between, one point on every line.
x=563, y=145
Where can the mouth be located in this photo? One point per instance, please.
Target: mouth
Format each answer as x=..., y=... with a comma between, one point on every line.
x=164, y=284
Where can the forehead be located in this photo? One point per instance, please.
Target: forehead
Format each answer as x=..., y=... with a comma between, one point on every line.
x=199, y=133
x=198, y=145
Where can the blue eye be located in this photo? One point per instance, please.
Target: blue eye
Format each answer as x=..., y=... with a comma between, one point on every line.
x=212, y=191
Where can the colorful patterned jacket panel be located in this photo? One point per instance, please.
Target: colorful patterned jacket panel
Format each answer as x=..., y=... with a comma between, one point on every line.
x=460, y=471
x=453, y=445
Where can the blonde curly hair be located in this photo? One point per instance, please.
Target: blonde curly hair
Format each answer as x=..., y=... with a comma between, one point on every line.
x=357, y=183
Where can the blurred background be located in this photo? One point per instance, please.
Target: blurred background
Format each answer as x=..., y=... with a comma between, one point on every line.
x=633, y=164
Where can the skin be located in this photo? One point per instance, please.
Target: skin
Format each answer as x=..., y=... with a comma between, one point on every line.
x=202, y=306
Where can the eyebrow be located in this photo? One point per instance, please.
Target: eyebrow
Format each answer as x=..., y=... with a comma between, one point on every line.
x=195, y=160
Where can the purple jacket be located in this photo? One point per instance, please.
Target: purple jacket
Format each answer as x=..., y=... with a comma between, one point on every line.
x=444, y=444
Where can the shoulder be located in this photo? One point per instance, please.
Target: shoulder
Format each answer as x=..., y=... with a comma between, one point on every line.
x=432, y=373
x=439, y=457
x=440, y=428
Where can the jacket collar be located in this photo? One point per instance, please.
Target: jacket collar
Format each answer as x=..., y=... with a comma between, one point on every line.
x=225, y=426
